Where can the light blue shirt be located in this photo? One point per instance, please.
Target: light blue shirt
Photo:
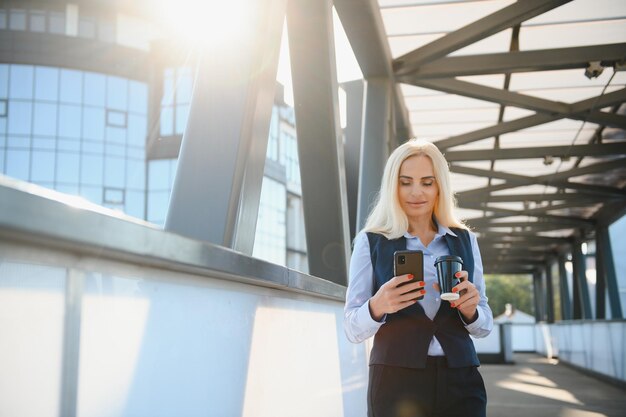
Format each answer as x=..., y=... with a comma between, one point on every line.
x=358, y=322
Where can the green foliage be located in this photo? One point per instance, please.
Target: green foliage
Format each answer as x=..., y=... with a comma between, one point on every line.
x=514, y=289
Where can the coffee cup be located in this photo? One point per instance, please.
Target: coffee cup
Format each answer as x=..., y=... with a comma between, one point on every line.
x=447, y=267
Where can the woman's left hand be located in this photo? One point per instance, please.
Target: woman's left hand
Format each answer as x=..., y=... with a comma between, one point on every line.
x=469, y=297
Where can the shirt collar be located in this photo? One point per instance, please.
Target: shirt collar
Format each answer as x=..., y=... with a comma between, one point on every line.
x=441, y=230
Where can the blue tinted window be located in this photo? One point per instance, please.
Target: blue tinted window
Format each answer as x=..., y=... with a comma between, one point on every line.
x=46, y=83
x=116, y=118
x=17, y=19
x=136, y=130
x=136, y=153
x=67, y=167
x=93, y=123
x=168, y=87
x=3, y=141
x=4, y=81
x=93, y=147
x=45, y=123
x=135, y=174
x=3, y=125
x=4, y=107
x=114, y=172
x=182, y=113
x=91, y=170
x=112, y=149
x=157, y=206
x=2, y=160
x=116, y=135
x=138, y=97
x=184, y=86
x=71, y=87
x=93, y=194
x=18, y=163
x=95, y=87
x=69, y=121
x=67, y=188
x=117, y=93
x=158, y=174
x=21, y=81
x=167, y=122
x=114, y=196
x=18, y=141
x=20, y=117
x=68, y=145
x=42, y=166
x=44, y=143
x=135, y=201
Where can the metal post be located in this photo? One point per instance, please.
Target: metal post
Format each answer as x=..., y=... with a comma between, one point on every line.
x=566, y=306
x=538, y=296
x=582, y=303
x=549, y=295
x=217, y=189
x=606, y=277
x=352, y=148
x=320, y=147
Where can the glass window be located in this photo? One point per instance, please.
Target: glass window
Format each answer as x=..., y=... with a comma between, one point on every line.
x=67, y=168
x=93, y=147
x=159, y=174
x=18, y=141
x=4, y=80
x=117, y=93
x=182, y=113
x=45, y=116
x=2, y=152
x=71, y=86
x=270, y=237
x=137, y=130
x=56, y=23
x=184, y=85
x=49, y=144
x=17, y=19
x=158, y=202
x=93, y=194
x=3, y=124
x=113, y=195
x=3, y=19
x=114, y=172
x=135, y=201
x=20, y=117
x=116, y=135
x=94, y=89
x=68, y=145
x=138, y=97
x=167, y=121
x=42, y=166
x=21, y=81
x=135, y=174
x=18, y=163
x=93, y=123
x=46, y=83
x=91, y=169
x=617, y=235
x=37, y=21
x=4, y=106
x=116, y=118
x=69, y=121
x=112, y=149
x=168, y=87
x=87, y=27
x=136, y=153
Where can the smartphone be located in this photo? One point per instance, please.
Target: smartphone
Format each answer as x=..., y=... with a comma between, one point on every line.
x=409, y=262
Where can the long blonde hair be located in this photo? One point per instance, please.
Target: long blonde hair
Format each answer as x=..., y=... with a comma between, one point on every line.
x=387, y=217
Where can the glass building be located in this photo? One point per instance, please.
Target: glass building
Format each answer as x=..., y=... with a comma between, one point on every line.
x=91, y=106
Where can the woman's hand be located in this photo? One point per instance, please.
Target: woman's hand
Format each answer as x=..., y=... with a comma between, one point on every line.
x=469, y=297
x=390, y=299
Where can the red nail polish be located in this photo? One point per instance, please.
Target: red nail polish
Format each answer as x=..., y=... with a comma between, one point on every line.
x=458, y=275
x=422, y=283
x=455, y=289
x=410, y=276
x=451, y=304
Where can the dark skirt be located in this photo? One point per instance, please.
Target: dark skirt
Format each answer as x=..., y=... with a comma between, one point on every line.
x=435, y=391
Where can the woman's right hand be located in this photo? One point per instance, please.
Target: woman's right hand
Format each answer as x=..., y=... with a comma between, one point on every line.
x=390, y=298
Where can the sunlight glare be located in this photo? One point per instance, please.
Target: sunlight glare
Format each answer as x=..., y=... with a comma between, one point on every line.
x=213, y=22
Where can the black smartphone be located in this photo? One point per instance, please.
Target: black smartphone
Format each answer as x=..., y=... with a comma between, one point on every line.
x=409, y=262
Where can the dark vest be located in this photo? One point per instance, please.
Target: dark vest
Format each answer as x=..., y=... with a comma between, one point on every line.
x=404, y=338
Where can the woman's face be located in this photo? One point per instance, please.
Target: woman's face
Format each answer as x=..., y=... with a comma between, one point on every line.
x=417, y=188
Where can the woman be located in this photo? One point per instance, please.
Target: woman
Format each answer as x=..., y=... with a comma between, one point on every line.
x=423, y=362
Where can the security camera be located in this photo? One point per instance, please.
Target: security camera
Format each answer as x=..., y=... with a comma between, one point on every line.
x=593, y=70
x=548, y=160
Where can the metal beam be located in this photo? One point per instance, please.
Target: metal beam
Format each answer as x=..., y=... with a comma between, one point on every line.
x=502, y=19
x=606, y=276
x=566, y=303
x=217, y=188
x=353, y=134
x=549, y=294
x=508, y=198
x=521, y=61
x=320, y=146
x=539, y=226
x=582, y=302
x=605, y=149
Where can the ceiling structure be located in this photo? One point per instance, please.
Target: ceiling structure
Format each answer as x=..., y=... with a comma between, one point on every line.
x=537, y=148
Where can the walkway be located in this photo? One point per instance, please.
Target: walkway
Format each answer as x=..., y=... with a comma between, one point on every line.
x=538, y=387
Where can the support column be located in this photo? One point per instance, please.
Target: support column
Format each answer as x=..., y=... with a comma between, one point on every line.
x=320, y=147
x=352, y=147
x=538, y=296
x=375, y=143
x=217, y=188
x=566, y=306
x=549, y=295
x=582, y=303
x=606, y=277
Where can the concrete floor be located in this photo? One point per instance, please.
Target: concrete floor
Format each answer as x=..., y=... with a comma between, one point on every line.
x=537, y=387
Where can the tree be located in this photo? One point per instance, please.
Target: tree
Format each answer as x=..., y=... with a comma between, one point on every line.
x=514, y=289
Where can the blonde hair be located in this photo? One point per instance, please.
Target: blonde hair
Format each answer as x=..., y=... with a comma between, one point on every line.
x=387, y=218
